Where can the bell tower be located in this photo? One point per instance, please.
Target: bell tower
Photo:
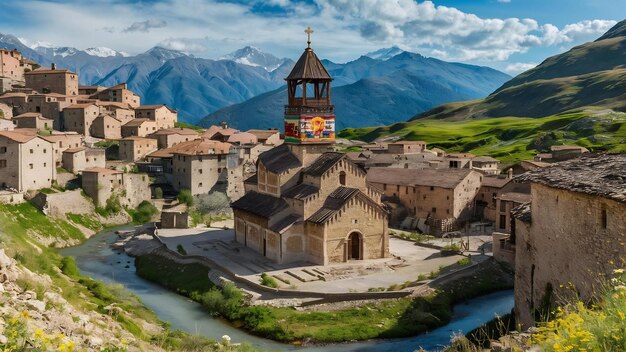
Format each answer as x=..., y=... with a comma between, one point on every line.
x=309, y=113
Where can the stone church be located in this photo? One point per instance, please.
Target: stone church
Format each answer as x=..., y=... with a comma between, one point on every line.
x=307, y=202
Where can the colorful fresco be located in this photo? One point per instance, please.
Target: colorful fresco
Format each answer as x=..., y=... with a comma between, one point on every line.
x=310, y=129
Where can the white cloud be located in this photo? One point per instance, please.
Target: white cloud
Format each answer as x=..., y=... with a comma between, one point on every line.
x=145, y=26
x=519, y=67
x=188, y=46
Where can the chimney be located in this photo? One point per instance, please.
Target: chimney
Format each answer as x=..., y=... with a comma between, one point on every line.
x=53, y=66
x=510, y=173
x=224, y=125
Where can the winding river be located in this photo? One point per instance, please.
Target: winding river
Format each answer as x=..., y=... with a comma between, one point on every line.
x=96, y=258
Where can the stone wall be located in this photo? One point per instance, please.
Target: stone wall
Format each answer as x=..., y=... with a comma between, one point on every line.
x=60, y=204
x=61, y=82
x=574, y=238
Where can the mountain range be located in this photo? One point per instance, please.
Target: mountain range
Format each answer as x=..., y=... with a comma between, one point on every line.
x=246, y=87
x=577, y=97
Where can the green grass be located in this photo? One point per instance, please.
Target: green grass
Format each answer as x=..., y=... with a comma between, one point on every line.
x=509, y=139
x=26, y=217
x=268, y=281
x=89, y=221
x=189, y=125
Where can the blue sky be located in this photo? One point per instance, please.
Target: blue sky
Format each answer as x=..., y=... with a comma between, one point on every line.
x=510, y=35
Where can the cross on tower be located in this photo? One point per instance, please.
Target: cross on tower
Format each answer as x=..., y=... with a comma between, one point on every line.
x=308, y=32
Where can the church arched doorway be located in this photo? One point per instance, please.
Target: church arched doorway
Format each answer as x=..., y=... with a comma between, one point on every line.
x=354, y=246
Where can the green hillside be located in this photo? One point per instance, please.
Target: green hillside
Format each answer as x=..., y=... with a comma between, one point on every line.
x=577, y=97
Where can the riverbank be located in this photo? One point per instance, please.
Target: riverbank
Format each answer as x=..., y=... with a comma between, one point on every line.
x=48, y=304
x=388, y=318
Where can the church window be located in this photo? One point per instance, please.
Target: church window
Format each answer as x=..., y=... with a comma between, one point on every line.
x=342, y=178
x=604, y=218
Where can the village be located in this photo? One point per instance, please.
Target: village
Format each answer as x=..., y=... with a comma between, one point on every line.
x=301, y=217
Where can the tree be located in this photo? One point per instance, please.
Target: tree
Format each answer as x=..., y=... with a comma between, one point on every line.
x=185, y=196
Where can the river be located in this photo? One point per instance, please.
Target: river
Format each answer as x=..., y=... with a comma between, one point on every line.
x=95, y=258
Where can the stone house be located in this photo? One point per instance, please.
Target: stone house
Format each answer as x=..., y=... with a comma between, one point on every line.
x=16, y=101
x=80, y=117
x=139, y=128
x=242, y=138
x=10, y=66
x=33, y=120
x=197, y=165
x=219, y=133
x=135, y=148
x=169, y=137
x=306, y=202
x=120, y=111
x=90, y=90
x=505, y=203
x=119, y=93
x=573, y=233
x=175, y=217
x=45, y=81
x=486, y=199
x=26, y=161
x=442, y=198
x=75, y=160
x=164, y=116
x=106, y=126
x=101, y=184
x=486, y=165
x=267, y=137
x=6, y=125
x=49, y=105
x=62, y=141
x=406, y=147
x=561, y=153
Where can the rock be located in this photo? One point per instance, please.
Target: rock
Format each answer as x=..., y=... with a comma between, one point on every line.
x=1, y=287
x=3, y=340
x=36, y=304
x=94, y=341
x=55, y=298
x=5, y=261
x=28, y=295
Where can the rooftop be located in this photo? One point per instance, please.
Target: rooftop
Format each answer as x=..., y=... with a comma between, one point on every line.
x=444, y=178
x=175, y=130
x=309, y=67
x=522, y=212
x=260, y=204
x=515, y=197
x=495, y=181
x=301, y=191
x=154, y=107
x=137, y=122
x=597, y=174
x=17, y=137
x=263, y=134
x=201, y=147
x=279, y=159
x=101, y=170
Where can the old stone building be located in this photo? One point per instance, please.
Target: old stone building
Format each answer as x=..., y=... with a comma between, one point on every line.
x=75, y=160
x=267, y=137
x=102, y=184
x=52, y=80
x=10, y=65
x=62, y=141
x=169, y=137
x=197, y=165
x=80, y=117
x=33, y=120
x=106, y=126
x=164, y=116
x=574, y=232
x=139, y=128
x=119, y=93
x=135, y=148
x=307, y=203
x=442, y=199
x=26, y=161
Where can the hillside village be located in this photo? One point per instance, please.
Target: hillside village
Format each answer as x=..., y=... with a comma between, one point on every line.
x=327, y=220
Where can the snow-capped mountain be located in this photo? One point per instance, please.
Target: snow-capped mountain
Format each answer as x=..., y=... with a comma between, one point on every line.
x=102, y=51
x=385, y=53
x=48, y=49
x=252, y=56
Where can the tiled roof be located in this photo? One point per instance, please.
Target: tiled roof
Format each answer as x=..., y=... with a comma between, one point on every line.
x=597, y=174
x=333, y=204
x=263, y=134
x=485, y=159
x=494, y=181
x=324, y=163
x=279, y=159
x=224, y=131
x=201, y=147
x=175, y=130
x=80, y=106
x=17, y=137
x=444, y=178
x=154, y=107
x=515, y=197
x=74, y=150
x=136, y=122
x=260, y=204
x=523, y=213
x=309, y=67
x=242, y=138
x=284, y=223
x=301, y=191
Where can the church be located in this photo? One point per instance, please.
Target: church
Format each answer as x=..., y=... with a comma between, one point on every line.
x=306, y=202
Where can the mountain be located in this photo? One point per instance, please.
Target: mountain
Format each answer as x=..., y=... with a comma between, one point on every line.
x=252, y=56
x=577, y=97
x=370, y=91
x=385, y=53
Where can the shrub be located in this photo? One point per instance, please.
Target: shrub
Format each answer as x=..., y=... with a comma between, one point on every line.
x=144, y=212
x=185, y=196
x=68, y=267
x=206, y=203
x=464, y=261
x=180, y=249
x=158, y=193
x=268, y=281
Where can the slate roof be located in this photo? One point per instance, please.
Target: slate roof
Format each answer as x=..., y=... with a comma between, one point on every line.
x=523, y=213
x=600, y=174
x=494, y=181
x=284, y=223
x=308, y=67
x=333, y=204
x=516, y=197
x=260, y=204
x=254, y=179
x=444, y=178
x=323, y=163
x=279, y=159
x=301, y=191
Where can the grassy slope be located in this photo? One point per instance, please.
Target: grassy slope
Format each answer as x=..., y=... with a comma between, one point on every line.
x=509, y=138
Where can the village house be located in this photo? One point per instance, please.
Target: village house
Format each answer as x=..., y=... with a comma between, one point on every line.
x=486, y=199
x=306, y=202
x=267, y=137
x=6, y=125
x=164, y=116
x=49, y=105
x=52, y=80
x=75, y=160
x=80, y=117
x=119, y=93
x=62, y=141
x=486, y=165
x=26, y=161
x=103, y=184
x=561, y=153
x=505, y=203
x=572, y=234
x=169, y=137
x=11, y=67
x=33, y=120
x=106, y=126
x=16, y=101
x=197, y=165
x=120, y=111
x=219, y=133
x=139, y=127
x=406, y=147
x=442, y=199
x=135, y=148
x=89, y=90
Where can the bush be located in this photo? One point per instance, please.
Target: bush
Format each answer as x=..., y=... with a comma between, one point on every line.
x=180, y=249
x=68, y=267
x=185, y=196
x=268, y=281
x=206, y=203
x=144, y=212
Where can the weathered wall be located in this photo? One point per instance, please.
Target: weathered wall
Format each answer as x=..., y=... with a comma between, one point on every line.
x=60, y=204
x=65, y=83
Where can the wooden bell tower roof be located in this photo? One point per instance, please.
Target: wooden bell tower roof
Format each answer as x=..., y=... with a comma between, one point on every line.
x=309, y=67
